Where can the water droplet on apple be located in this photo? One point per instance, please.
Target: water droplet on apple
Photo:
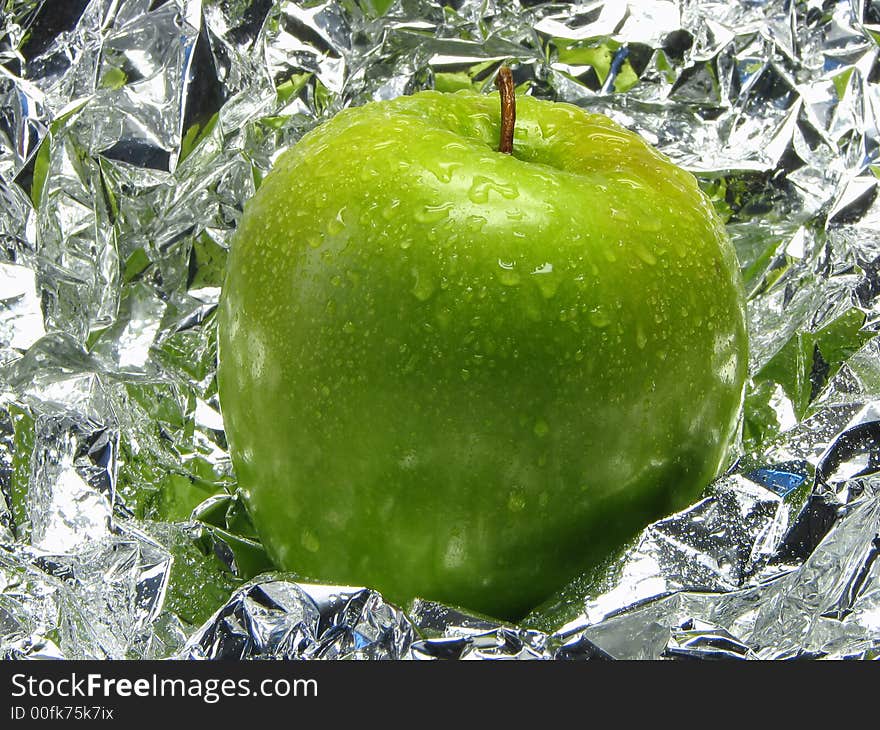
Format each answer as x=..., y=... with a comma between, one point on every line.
x=599, y=317
x=424, y=287
x=541, y=428
x=641, y=338
x=444, y=171
x=516, y=501
x=310, y=541
x=405, y=243
x=409, y=460
x=548, y=128
x=630, y=183
x=548, y=282
x=507, y=274
x=680, y=249
x=475, y=223
x=644, y=254
x=390, y=210
x=433, y=213
x=482, y=187
x=606, y=137
x=410, y=365
x=348, y=327
x=369, y=173
x=456, y=552
x=337, y=225
x=465, y=374
x=448, y=240
x=549, y=181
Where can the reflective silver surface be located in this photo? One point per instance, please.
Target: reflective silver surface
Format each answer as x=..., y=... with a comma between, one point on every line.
x=132, y=133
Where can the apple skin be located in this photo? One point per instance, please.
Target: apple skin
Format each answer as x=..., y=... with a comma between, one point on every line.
x=453, y=373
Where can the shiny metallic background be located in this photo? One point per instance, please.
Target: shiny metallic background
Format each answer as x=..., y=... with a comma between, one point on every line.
x=132, y=132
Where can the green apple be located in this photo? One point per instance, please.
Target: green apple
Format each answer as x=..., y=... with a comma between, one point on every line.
x=465, y=375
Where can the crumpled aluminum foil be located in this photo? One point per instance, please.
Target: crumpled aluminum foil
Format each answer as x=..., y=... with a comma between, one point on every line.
x=131, y=134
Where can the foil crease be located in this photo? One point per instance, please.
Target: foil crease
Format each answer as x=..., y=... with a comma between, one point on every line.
x=132, y=133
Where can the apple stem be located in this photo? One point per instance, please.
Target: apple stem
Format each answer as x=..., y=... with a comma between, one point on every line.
x=504, y=82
